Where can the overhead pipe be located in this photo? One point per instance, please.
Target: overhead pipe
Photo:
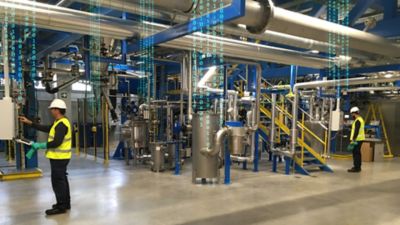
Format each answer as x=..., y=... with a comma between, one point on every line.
x=138, y=9
x=280, y=26
x=250, y=51
x=326, y=83
x=293, y=23
x=269, y=36
x=367, y=89
x=68, y=20
x=263, y=15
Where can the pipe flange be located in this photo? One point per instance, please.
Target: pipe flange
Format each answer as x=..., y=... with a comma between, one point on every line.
x=194, y=7
x=268, y=6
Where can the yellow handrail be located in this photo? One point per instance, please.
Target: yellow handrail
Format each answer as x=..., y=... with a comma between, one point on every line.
x=302, y=126
x=286, y=130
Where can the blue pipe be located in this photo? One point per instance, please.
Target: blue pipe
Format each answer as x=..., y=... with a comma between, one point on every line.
x=124, y=46
x=235, y=10
x=255, y=160
x=293, y=75
x=177, y=159
x=274, y=163
x=86, y=43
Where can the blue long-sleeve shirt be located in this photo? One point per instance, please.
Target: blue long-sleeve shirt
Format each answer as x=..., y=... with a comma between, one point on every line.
x=60, y=132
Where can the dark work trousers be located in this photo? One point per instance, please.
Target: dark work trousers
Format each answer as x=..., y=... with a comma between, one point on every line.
x=357, y=155
x=59, y=181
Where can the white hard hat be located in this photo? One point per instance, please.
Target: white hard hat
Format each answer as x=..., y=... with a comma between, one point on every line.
x=354, y=110
x=58, y=103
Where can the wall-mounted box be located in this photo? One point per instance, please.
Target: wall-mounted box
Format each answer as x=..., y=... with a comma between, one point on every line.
x=7, y=119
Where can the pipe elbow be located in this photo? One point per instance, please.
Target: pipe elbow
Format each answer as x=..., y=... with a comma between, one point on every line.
x=217, y=143
x=143, y=107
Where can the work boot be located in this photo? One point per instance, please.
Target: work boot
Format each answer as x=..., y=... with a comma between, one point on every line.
x=354, y=170
x=68, y=207
x=55, y=211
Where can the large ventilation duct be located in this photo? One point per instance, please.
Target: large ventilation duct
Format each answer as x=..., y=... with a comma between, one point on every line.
x=62, y=19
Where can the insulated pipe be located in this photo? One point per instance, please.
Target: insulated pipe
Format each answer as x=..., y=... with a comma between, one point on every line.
x=367, y=89
x=297, y=24
x=295, y=41
x=255, y=17
x=136, y=8
x=59, y=18
x=176, y=5
x=217, y=143
x=189, y=72
x=269, y=36
x=326, y=83
x=273, y=111
x=251, y=51
x=263, y=15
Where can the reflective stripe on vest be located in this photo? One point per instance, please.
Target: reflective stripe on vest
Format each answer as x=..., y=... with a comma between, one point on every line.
x=361, y=132
x=64, y=150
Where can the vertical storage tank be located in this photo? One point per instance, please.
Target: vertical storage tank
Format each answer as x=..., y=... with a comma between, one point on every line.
x=204, y=127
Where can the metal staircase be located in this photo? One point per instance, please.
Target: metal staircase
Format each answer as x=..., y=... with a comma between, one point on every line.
x=306, y=158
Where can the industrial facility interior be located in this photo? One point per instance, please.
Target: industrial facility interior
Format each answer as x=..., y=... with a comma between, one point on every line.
x=186, y=112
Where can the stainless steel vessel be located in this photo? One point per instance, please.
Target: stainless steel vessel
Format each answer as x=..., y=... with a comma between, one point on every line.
x=139, y=134
x=157, y=157
x=237, y=140
x=205, y=169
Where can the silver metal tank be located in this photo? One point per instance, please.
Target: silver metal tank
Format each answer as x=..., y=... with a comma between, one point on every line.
x=236, y=140
x=139, y=133
x=157, y=157
x=171, y=155
x=204, y=128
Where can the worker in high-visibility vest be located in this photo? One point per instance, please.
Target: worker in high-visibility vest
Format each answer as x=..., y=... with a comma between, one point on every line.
x=58, y=150
x=357, y=136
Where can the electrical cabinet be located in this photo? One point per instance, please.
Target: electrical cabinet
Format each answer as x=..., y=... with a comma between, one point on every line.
x=7, y=119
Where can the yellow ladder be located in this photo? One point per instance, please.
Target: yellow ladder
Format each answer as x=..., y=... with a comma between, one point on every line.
x=374, y=109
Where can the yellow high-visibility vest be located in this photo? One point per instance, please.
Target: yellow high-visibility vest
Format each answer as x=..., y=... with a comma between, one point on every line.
x=64, y=150
x=361, y=133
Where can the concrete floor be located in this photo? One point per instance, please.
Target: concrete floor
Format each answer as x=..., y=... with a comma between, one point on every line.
x=124, y=195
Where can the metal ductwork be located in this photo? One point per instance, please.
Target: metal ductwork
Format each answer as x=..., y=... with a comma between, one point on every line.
x=67, y=20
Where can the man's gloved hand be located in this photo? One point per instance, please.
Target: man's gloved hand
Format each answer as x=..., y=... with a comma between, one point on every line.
x=30, y=153
x=42, y=145
x=352, y=145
